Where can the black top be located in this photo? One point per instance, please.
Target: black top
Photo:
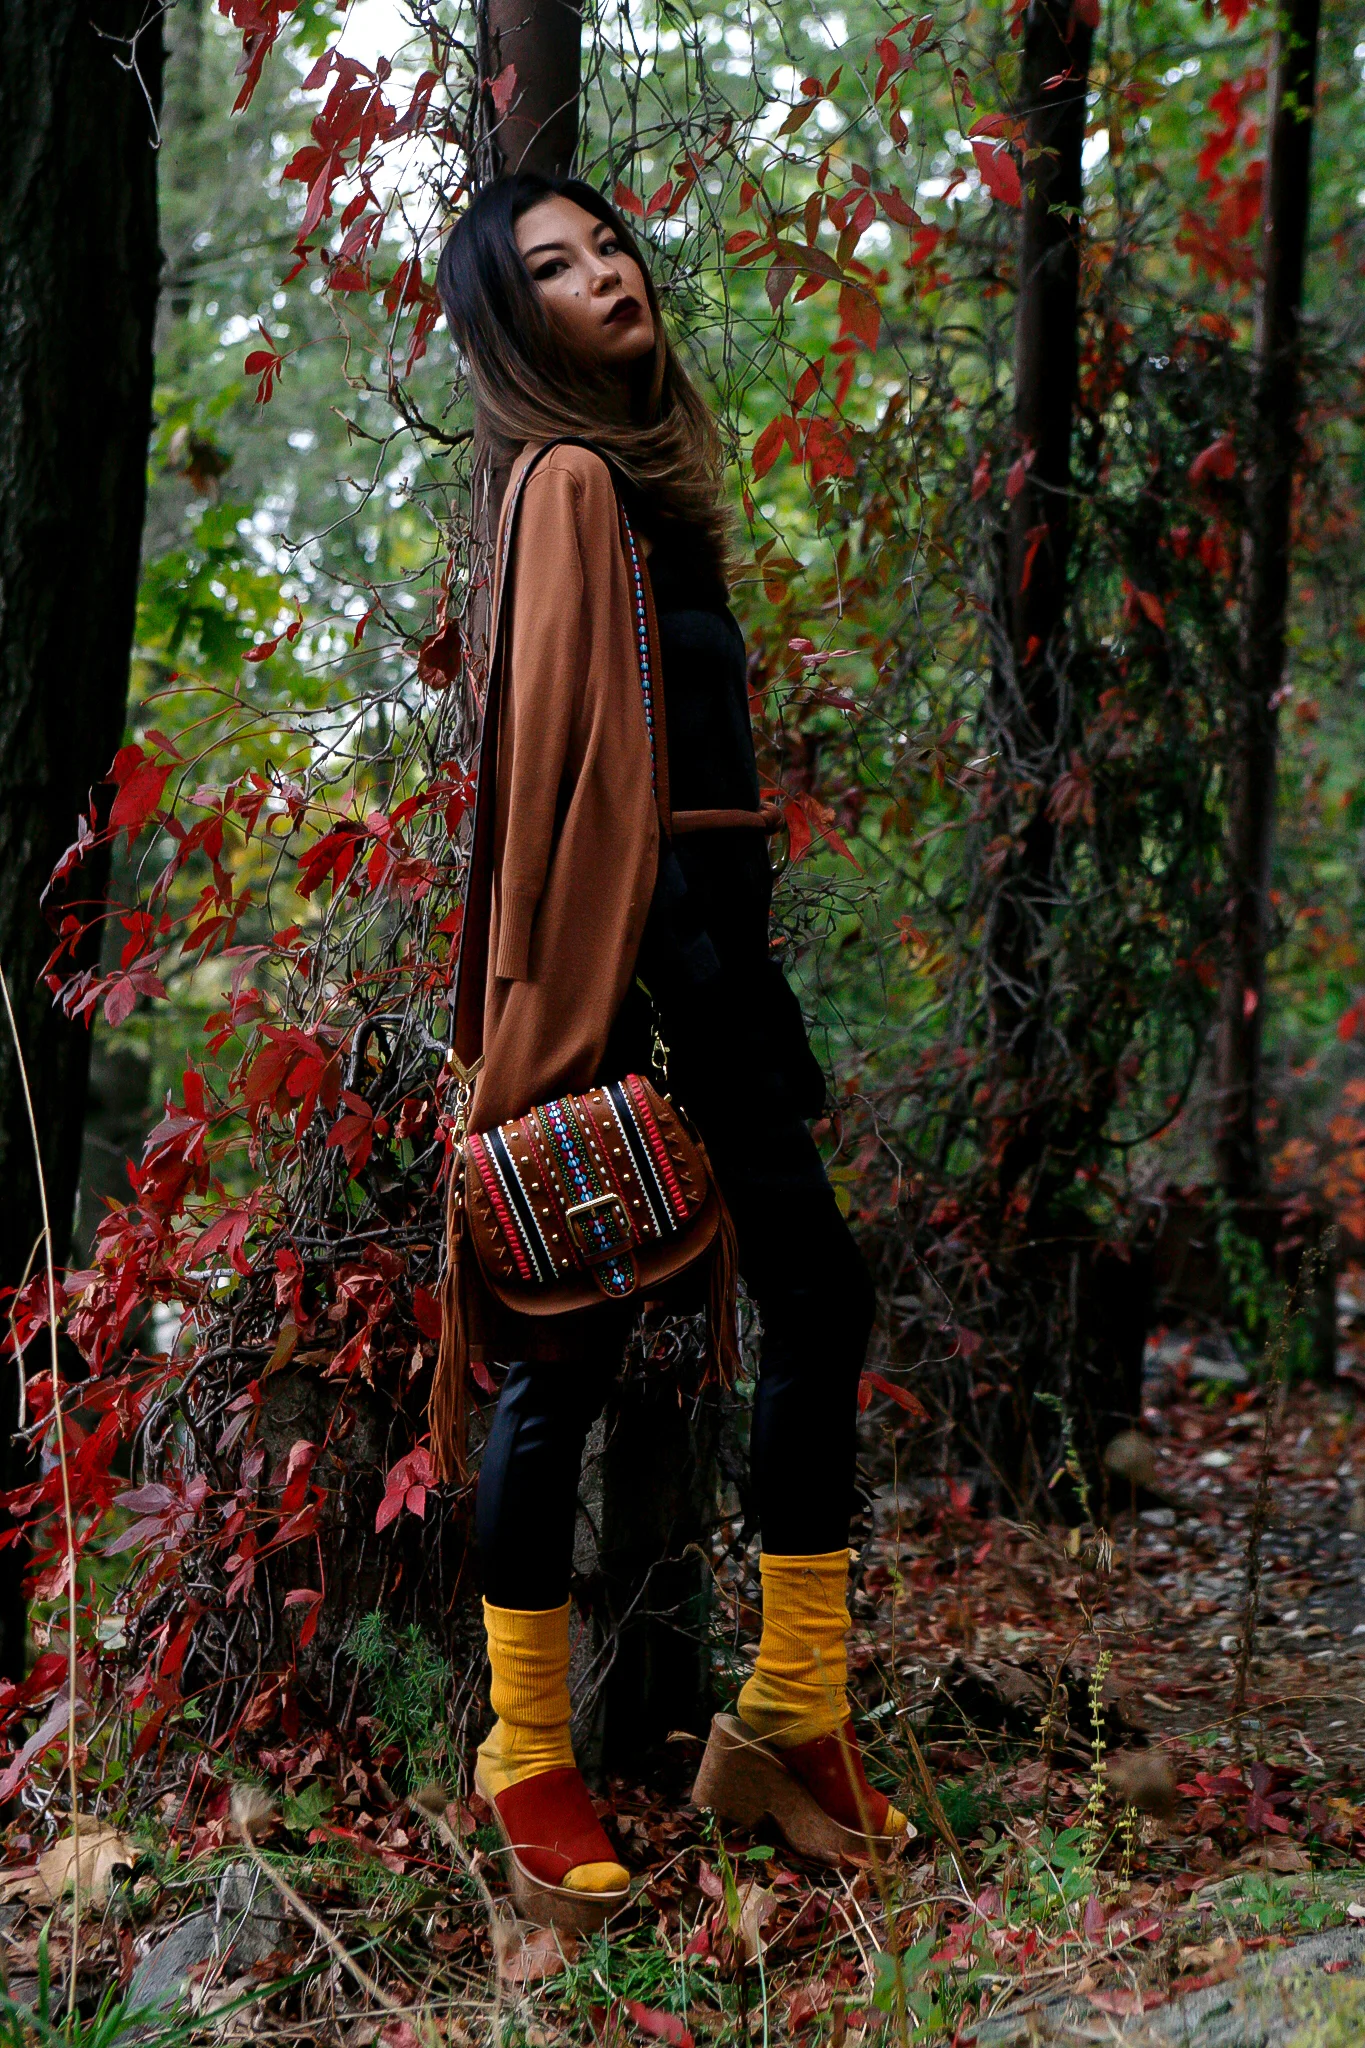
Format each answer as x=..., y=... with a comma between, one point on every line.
x=727, y=1013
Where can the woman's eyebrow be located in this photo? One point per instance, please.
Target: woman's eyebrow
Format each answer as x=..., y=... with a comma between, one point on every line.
x=539, y=250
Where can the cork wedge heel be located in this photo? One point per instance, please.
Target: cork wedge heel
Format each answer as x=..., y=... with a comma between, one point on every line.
x=544, y=1835
x=744, y=1779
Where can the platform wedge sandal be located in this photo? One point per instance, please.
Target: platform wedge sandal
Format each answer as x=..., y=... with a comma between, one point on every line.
x=550, y=1832
x=815, y=1793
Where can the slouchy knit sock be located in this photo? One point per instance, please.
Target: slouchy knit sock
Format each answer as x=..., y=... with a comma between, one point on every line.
x=798, y=1693
x=798, y=1690
x=529, y=1656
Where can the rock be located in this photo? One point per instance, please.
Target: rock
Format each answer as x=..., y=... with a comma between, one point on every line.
x=1130, y=1456
x=245, y=1926
x=1309, y=1995
x=1221, y=1370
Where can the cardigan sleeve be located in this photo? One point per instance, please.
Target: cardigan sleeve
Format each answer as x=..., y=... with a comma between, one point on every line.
x=548, y=596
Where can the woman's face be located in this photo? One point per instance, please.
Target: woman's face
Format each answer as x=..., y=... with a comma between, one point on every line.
x=592, y=290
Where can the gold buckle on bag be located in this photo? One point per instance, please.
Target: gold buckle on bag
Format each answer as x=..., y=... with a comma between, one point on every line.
x=582, y=1217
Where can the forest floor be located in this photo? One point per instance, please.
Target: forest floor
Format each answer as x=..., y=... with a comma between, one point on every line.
x=1105, y=1850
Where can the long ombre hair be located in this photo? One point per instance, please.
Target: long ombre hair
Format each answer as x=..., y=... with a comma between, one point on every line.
x=529, y=387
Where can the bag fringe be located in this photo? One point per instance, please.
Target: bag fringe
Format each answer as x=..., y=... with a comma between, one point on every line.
x=447, y=1412
x=722, y=1299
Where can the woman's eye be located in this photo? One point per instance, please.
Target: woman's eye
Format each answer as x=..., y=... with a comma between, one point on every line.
x=549, y=269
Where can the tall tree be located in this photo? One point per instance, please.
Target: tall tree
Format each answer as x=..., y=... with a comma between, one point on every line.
x=537, y=42
x=1265, y=592
x=1081, y=1308
x=1033, y=659
x=80, y=84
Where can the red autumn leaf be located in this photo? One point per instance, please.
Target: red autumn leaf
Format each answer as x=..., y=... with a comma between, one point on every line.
x=307, y=1597
x=333, y=856
x=266, y=363
x=807, y=384
x=1234, y=12
x=1350, y=1021
x=1087, y=12
x=897, y=209
x=121, y=992
x=827, y=451
x=660, y=2026
x=1216, y=462
x=981, y=478
x=999, y=172
x=354, y=1132
x=1034, y=537
x=768, y=446
x=628, y=201
x=227, y=1234
x=779, y=281
x=859, y=314
x=1018, y=475
x=804, y=815
x=406, y=1487
x=501, y=89
x=139, y=792
x=1146, y=602
x=902, y=1396
x=426, y=1312
x=303, y=1456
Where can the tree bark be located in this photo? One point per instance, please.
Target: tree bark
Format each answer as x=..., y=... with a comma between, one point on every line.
x=80, y=83
x=1265, y=595
x=542, y=39
x=1033, y=610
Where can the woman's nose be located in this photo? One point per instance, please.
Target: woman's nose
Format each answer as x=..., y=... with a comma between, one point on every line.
x=606, y=275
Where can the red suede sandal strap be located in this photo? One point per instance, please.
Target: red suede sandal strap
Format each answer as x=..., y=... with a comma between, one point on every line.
x=831, y=1769
x=550, y=1825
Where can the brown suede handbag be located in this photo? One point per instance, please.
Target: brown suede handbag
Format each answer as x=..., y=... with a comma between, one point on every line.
x=592, y=1197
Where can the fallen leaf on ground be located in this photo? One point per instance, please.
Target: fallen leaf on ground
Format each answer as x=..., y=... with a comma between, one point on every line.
x=102, y=1851
x=1281, y=1856
x=660, y=2026
x=756, y=1908
x=540, y=1954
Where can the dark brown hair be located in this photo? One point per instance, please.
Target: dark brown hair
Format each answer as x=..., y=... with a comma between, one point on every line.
x=529, y=387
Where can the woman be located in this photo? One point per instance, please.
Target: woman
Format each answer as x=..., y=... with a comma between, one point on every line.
x=583, y=904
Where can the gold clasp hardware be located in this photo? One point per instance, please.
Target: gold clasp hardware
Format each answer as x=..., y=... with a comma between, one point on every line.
x=583, y=1215
x=658, y=1059
x=465, y=1078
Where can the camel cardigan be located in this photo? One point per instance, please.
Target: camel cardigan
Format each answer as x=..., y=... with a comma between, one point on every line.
x=565, y=854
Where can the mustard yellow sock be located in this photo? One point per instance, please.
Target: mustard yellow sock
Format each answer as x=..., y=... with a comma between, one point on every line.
x=799, y=1687
x=529, y=1656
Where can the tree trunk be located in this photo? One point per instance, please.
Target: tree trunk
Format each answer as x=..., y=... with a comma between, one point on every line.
x=542, y=39
x=1265, y=594
x=1033, y=608
x=79, y=84
x=1048, y=1263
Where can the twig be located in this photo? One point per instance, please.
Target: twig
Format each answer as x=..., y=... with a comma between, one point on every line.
x=939, y=1818
x=246, y=1817
x=68, y=1521
x=430, y=1802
